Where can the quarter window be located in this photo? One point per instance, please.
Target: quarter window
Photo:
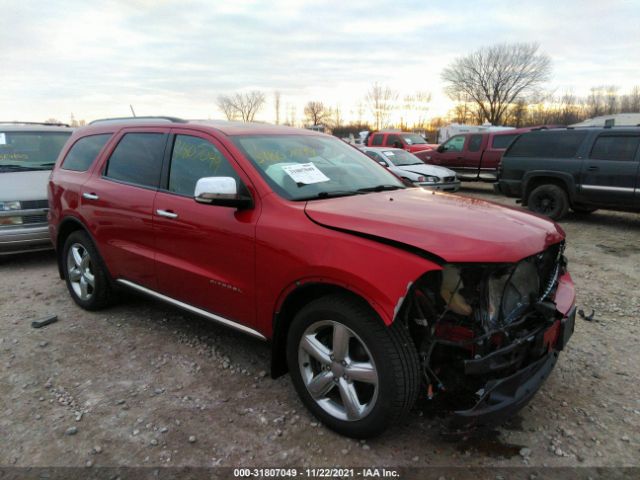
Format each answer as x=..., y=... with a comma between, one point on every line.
x=138, y=159
x=615, y=147
x=84, y=152
x=194, y=158
x=547, y=144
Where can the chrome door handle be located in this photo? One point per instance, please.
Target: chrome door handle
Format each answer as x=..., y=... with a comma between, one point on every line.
x=166, y=213
x=90, y=196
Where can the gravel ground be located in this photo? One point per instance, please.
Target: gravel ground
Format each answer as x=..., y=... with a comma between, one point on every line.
x=143, y=384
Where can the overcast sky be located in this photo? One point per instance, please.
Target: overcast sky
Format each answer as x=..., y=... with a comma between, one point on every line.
x=173, y=57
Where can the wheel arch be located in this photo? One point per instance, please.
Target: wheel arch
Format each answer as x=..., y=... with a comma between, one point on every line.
x=534, y=179
x=67, y=226
x=293, y=300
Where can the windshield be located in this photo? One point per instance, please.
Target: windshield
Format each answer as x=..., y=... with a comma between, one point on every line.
x=30, y=150
x=413, y=139
x=301, y=167
x=400, y=158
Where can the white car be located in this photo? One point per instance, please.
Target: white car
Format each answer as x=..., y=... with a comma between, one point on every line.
x=411, y=168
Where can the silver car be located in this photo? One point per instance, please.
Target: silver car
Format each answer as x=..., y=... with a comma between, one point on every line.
x=27, y=155
x=411, y=168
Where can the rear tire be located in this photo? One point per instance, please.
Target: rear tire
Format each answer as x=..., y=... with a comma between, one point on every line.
x=84, y=272
x=364, y=375
x=550, y=200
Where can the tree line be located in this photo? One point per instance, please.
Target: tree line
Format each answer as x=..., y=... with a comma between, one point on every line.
x=502, y=84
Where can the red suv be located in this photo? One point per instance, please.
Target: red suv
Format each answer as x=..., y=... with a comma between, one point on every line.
x=371, y=293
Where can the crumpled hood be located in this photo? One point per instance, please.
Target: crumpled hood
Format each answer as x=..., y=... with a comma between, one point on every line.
x=24, y=185
x=424, y=169
x=454, y=228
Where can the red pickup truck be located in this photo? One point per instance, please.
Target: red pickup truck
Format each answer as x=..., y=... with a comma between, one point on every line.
x=473, y=156
x=409, y=141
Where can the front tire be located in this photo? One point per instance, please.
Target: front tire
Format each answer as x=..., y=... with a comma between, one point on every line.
x=550, y=200
x=355, y=374
x=84, y=272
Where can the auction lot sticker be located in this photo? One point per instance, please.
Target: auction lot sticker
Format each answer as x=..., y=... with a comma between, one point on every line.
x=306, y=173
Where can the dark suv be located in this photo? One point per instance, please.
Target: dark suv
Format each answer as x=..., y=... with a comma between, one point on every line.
x=582, y=169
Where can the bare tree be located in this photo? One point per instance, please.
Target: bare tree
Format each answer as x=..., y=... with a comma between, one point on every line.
x=243, y=106
x=495, y=77
x=611, y=99
x=360, y=109
x=225, y=104
x=317, y=113
x=595, y=102
x=276, y=101
x=52, y=121
x=415, y=108
x=516, y=114
x=381, y=101
x=76, y=123
x=631, y=102
x=336, y=118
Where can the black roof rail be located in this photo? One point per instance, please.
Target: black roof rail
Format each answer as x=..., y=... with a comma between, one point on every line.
x=121, y=119
x=52, y=124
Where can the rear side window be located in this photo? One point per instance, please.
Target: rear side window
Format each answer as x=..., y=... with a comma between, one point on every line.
x=377, y=139
x=615, y=147
x=475, y=142
x=194, y=158
x=502, y=141
x=137, y=159
x=560, y=144
x=84, y=152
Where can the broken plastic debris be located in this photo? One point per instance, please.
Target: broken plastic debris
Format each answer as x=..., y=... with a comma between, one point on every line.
x=588, y=318
x=44, y=321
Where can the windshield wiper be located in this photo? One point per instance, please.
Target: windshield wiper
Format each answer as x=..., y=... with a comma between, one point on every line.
x=335, y=193
x=17, y=168
x=380, y=188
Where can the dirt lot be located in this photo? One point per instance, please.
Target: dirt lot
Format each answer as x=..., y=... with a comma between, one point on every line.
x=145, y=384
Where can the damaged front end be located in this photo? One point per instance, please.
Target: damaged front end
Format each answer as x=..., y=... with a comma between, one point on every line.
x=489, y=334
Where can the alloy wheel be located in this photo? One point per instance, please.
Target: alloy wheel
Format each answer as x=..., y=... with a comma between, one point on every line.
x=338, y=370
x=80, y=271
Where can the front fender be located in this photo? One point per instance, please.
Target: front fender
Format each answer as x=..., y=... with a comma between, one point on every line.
x=378, y=273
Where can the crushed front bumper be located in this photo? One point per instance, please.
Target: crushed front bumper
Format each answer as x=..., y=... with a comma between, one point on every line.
x=503, y=397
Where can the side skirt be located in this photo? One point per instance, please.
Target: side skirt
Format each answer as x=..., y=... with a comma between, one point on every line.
x=192, y=309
